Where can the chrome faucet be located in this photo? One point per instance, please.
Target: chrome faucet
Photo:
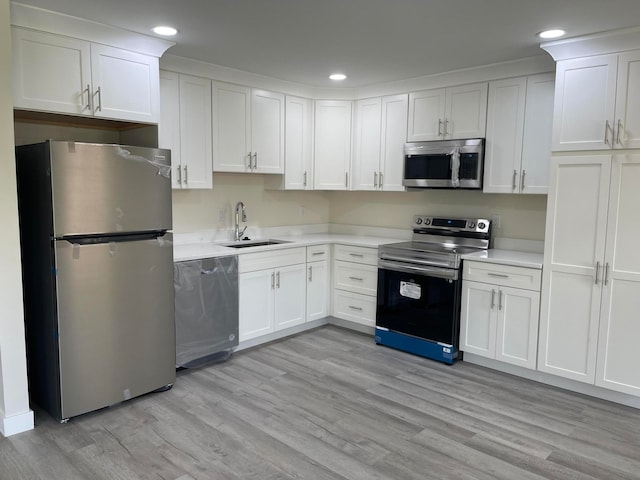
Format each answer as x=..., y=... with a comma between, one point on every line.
x=238, y=233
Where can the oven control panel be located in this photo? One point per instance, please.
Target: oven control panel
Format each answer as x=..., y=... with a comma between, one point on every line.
x=479, y=225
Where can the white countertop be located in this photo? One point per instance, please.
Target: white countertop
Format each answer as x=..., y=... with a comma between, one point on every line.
x=194, y=251
x=507, y=257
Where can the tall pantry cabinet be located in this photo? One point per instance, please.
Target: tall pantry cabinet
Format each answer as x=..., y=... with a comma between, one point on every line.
x=591, y=274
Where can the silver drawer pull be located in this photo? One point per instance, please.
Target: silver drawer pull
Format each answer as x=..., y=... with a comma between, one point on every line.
x=359, y=255
x=359, y=309
x=493, y=299
x=317, y=253
x=498, y=275
x=359, y=279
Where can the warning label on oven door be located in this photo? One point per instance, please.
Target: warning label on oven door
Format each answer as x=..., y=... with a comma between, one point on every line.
x=410, y=290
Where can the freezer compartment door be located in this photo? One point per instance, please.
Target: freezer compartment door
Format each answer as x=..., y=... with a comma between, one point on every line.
x=109, y=188
x=115, y=321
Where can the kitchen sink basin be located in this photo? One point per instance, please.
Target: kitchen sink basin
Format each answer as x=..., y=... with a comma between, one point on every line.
x=254, y=243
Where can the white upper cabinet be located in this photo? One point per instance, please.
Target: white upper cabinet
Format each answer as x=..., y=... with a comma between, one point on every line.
x=298, y=171
x=53, y=73
x=597, y=103
x=518, y=145
x=332, y=144
x=380, y=126
x=448, y=113
x=185, y=128
x=248, y=129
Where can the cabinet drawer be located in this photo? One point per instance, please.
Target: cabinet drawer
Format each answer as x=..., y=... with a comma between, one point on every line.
x=349, y=253
x=249, y=262
x=354, y=307
x=505, y=275
x=355, y=277
x=316, y=253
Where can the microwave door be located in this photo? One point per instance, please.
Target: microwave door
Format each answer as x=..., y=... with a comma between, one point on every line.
x=428, y=170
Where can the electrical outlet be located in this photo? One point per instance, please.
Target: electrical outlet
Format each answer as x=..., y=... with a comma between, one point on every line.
x=221, y=215
x=495, y=220
x=302, y=210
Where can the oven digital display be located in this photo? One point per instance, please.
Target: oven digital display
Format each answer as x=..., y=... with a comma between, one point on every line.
x=446, y=222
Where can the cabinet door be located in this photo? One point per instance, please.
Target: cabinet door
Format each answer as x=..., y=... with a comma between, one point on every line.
x=366, y=149
x=332, y=144
x=169, y=126
x=571, y=281
x=317, y=290
x=267, y=131
x=619, y=325
x=505, y=126
x=51, y=73
x=466, y=111
x=231, y=128
x=195, y=131
x=584, y=103
x=126, y=85
x=478, y=318
x=536, y=141
x=394, y=134
x=627, y=126
x=517, y=326
x=297, y=146
x=290, y=296
x=256, y=292
x=426, y=115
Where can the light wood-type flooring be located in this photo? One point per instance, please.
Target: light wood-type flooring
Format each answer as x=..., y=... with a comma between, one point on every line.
x=330, y=404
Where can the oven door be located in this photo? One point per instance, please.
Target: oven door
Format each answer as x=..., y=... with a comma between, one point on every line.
x=420, y=301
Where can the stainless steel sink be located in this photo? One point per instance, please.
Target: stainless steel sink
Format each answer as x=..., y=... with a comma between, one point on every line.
x=254, y=243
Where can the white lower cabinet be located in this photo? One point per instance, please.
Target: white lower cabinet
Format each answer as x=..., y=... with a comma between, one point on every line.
x=355, y=276
x=272, y=291
x=499, y=318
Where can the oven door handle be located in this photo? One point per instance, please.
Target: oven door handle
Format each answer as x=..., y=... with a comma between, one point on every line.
x=446, y=273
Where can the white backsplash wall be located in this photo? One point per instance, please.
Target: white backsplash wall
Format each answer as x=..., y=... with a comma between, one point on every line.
x=196, y=210
x=521, y=216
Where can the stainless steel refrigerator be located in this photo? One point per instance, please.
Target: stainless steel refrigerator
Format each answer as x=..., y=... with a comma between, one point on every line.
x=97, y=267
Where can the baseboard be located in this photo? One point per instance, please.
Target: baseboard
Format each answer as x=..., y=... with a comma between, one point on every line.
x=270, y=337
x=555, y=381
x=16, y=423
x=358, y=327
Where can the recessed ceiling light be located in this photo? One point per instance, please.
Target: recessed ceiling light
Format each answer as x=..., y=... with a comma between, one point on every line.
x=337, y=76
x=555, y=33
x=165, y=31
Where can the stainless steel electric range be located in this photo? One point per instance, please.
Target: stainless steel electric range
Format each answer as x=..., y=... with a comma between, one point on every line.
x=420, y=284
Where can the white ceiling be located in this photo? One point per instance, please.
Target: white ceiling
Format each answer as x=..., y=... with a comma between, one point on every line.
x=372, y=41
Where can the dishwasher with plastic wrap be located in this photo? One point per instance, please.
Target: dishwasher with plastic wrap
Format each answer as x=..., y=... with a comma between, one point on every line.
x=206, y=298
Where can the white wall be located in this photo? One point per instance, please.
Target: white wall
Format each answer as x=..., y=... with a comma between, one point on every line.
x=15, y=415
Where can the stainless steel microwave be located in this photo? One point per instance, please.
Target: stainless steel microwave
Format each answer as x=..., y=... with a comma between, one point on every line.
x=444, y=164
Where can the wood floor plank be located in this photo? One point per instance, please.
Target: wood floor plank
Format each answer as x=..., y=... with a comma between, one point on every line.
x=329, y=404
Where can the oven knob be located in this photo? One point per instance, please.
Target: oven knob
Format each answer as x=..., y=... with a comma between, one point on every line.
x=481, y=225
x=427, y=221
x=472, y=224
x=418, y=221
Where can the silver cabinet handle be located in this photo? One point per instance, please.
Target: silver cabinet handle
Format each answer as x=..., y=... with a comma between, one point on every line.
x=446, y=127
x=317, y=253
x=88, y=105
x=493, y=299
x=255, y=160
x=359, y=309
x=304, y=179
x=186, y=174
x=359, y=279
x=346, y=179
x=513, y=180
x=597, y=271
x=380, y=180
x=499, y=299
x=618, y=132
x=359, y=255
x=524, y=172
x=273, y=281
x=606, y=132
x=498, y=275
x=606, y=273
x=249, y=165
x=439, y=127
x=310, y=273
x=179, y=175
x=278, y=280
x=99, y=93
x=375, y=179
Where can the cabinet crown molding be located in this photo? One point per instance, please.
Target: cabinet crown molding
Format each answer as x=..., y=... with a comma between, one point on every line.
x=612, y=41
x=34, y=18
